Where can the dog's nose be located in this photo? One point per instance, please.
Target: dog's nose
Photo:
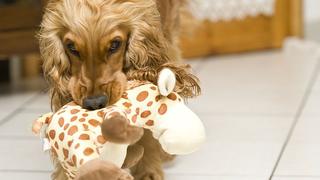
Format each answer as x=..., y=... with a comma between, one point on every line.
x=95, y=102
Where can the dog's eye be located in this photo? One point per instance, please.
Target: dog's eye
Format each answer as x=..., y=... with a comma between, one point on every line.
x=115, y=45
x=72, y=49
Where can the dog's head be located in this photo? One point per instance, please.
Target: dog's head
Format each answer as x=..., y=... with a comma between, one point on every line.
x=87, y=45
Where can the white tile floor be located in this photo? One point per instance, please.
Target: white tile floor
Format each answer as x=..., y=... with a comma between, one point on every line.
x=261, y=111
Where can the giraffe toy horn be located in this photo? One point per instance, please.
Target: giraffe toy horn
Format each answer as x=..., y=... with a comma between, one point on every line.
x=166, y=81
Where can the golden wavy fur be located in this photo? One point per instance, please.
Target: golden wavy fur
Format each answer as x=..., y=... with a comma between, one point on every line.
x=92, y=47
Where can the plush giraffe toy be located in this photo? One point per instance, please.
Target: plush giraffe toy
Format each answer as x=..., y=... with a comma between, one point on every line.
x=76, y=135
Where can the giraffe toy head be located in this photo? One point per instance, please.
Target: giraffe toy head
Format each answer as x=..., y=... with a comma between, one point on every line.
x=177, y=128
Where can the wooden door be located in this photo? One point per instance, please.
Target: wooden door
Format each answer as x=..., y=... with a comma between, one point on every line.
x=252, y=33
x=19, y=22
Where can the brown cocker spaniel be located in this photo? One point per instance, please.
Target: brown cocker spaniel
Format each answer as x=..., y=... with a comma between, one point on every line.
x=91, y=48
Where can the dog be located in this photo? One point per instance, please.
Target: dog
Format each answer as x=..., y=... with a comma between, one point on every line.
x=91, y=48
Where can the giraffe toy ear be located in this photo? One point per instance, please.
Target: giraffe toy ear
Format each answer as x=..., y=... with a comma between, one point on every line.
x=166, y=81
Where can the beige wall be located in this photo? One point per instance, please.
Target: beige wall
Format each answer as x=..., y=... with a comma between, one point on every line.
x=311, y=10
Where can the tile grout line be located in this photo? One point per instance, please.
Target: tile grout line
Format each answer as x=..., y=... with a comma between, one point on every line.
x=17, y=137
x=23, y=171
x=245, y=114
x=300, y=176
x=298, y=114
x=19, y=109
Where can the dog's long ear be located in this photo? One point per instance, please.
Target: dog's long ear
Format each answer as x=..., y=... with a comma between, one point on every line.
x=147, y=45
x=149, y=50
x=56, y=66
x=170, y=17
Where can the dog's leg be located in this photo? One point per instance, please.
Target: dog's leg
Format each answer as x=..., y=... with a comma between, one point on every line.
x=165, y=157
x=134, y=155
x=150, y=166
x=59, y=173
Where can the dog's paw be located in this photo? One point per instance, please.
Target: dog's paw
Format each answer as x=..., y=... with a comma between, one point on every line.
x=149, y=176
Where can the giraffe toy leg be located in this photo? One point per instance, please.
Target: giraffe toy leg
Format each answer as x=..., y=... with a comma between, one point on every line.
x=117, y=129
x=102, y=170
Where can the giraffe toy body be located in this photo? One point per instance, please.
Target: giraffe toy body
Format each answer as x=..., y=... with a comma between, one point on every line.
x=75, y=134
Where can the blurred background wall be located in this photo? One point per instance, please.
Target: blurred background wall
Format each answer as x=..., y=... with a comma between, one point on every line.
x=312, y=19
x=19, y=21
x=311, y=10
